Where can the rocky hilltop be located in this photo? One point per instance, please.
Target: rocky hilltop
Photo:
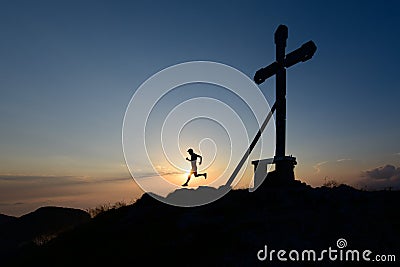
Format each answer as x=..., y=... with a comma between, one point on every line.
x=230, y=231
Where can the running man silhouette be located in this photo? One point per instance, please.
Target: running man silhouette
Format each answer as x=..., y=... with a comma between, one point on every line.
x=193, y=161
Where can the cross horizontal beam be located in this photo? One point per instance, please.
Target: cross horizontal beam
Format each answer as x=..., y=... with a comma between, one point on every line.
x=302, y=54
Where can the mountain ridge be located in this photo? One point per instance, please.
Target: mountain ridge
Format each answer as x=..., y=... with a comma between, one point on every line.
x=229, y=231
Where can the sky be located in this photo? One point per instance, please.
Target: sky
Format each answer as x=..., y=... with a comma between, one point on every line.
x=68, y=71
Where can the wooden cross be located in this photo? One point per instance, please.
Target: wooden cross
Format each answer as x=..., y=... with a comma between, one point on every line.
x=283, y=164
x=278, y=68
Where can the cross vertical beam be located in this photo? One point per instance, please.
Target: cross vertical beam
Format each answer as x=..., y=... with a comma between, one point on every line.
x=281, y=36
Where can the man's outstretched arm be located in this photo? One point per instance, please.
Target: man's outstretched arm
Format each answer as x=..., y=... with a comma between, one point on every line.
x=201, y=159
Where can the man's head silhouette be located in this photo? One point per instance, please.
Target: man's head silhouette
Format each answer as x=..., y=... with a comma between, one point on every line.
x=190, y=151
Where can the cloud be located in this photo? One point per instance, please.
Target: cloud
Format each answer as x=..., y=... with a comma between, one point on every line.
x=55, y=180
x=383, y=173
x=341, y=160
x=382, y=177
x=157, y=174
x=317, y=166
x=26, y=179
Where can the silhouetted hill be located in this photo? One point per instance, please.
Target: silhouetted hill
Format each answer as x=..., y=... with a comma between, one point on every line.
x=37, y=228
x=229, y=231
x=6, y=218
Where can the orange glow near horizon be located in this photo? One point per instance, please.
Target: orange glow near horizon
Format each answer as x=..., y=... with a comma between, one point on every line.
x=215, y=177
x=179, y=179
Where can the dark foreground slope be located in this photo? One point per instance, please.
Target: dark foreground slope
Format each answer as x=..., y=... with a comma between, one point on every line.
x=230, y=231
x=36, y=228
